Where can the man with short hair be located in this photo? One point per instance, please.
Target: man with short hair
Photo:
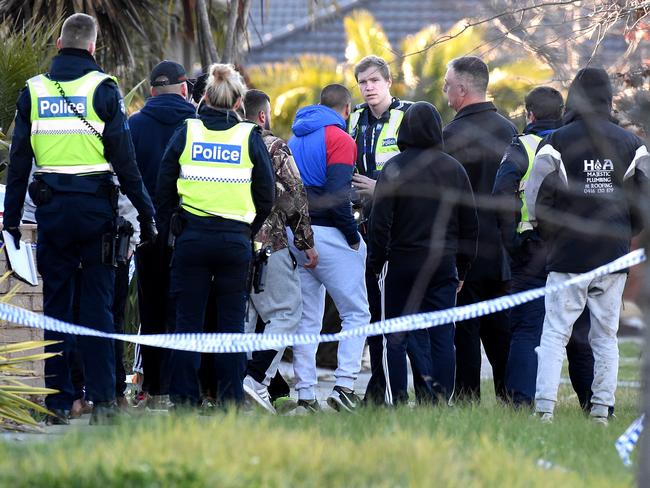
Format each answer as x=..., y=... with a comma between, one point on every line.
x=71, y=121
x=583, y=195
x=325, y=155
x=151, y=128
x=374, y=125
x=527, y=253
x=477, y=138
x=279, y=304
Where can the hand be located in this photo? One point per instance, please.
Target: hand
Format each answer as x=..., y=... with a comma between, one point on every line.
x=460, y=286
x=148, y=231
x=365, y=185
x=355, y=246
x=312, y=258
x=15, y=233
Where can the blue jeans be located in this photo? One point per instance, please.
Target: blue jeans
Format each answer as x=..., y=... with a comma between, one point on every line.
x=206, y=257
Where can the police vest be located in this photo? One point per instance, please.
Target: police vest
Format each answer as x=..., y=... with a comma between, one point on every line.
x=530, y=143
x=61, y=141
x=386, y=146
x=216, y=171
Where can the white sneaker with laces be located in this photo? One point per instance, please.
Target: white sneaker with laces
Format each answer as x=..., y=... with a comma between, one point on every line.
x=259, y=393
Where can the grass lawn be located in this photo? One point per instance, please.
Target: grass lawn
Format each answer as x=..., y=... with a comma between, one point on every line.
x=471, y=446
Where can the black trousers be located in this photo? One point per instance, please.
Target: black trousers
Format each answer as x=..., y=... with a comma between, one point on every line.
x=119, y=308
x=493, y=330
x=70, y=229
x=156, y=312
x=206, y=257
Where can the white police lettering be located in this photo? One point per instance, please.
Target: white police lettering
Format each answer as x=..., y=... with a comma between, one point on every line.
x=598, y=176
x=58, y=107
x=210, y=152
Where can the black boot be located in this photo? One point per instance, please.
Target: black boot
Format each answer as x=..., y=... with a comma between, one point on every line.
x=58, y=417
x=104, y=413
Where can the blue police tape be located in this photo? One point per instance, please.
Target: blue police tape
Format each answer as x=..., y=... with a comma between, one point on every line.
x=625, y=444
x=227, y=343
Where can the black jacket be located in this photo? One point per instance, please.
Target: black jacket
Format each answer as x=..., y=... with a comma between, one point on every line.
x=478, y=137
x=71, y=64
x=423, y=199
x=526, y=250
x=262, y=186
x=586, y=180
x=151, y=128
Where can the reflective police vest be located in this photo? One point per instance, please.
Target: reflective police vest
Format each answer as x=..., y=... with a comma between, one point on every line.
x=61, y=141
x=530, y=143
x=216, y=171
x=386, y=146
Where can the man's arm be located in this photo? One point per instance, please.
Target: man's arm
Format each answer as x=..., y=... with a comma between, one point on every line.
x=381, y=220
x=341, y=156
x=166, y=187
x=293, y=201
x=118, y=147
x=506, y=187
x=263, y=182
x=20, y=157
x=467, y=226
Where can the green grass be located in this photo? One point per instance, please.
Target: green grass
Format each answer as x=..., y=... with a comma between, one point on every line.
x=486, y=445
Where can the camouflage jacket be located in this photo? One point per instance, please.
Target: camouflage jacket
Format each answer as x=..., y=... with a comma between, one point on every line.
x=290, y=208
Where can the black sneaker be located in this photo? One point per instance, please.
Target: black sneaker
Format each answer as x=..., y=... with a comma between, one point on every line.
x=311, y=406
x=58, y=417
x=343, y=399
x=104, y=413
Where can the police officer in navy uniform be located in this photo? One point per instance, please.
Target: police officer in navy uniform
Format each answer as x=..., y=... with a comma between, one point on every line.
x=71, y=121
x=218, y=170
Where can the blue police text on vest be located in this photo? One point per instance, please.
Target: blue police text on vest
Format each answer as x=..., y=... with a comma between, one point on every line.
x=58, y=107
x=216, y=153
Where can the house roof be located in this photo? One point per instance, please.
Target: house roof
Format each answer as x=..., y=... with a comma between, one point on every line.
x=288, y=28
x=280, y=30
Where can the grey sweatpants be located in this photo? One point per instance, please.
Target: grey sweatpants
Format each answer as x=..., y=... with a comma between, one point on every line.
x=603, y=296
x=279, y=305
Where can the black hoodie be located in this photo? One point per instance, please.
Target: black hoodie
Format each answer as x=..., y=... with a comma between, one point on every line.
x=585, y=180
x=423, y=200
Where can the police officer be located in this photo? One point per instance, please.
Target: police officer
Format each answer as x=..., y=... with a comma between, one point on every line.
x=528, y=255
x=219, y=170
x=374, y=125
x=71, y=121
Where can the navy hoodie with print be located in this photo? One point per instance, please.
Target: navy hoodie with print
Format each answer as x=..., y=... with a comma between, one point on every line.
x=152, y=128
x=588, y=176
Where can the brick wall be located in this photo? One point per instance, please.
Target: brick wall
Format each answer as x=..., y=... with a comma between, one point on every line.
x=28, y=297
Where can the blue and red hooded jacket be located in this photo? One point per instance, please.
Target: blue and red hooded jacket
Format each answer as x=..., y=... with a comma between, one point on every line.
x=325, y=155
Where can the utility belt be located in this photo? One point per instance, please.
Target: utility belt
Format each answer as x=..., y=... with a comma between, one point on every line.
x=116, y=241
x=42, y=192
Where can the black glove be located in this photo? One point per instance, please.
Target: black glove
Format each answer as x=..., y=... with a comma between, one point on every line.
x=148, y=231
x=15, y=233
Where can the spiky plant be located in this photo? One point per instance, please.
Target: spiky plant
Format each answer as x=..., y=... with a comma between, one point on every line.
x=15, y=405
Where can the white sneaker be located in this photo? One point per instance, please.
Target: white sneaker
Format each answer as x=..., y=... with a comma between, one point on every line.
x=259, y=393
x=544, y=417
x=604, y=421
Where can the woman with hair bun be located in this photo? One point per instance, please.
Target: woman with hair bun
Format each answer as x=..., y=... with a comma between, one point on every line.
x=215, y=189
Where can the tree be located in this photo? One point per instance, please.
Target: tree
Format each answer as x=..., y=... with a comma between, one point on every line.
x=418, y=70
x=294, y=84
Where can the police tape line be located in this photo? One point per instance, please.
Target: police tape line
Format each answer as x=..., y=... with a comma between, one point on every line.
x=236, y=342
x=626, y=443
x=228, y=343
